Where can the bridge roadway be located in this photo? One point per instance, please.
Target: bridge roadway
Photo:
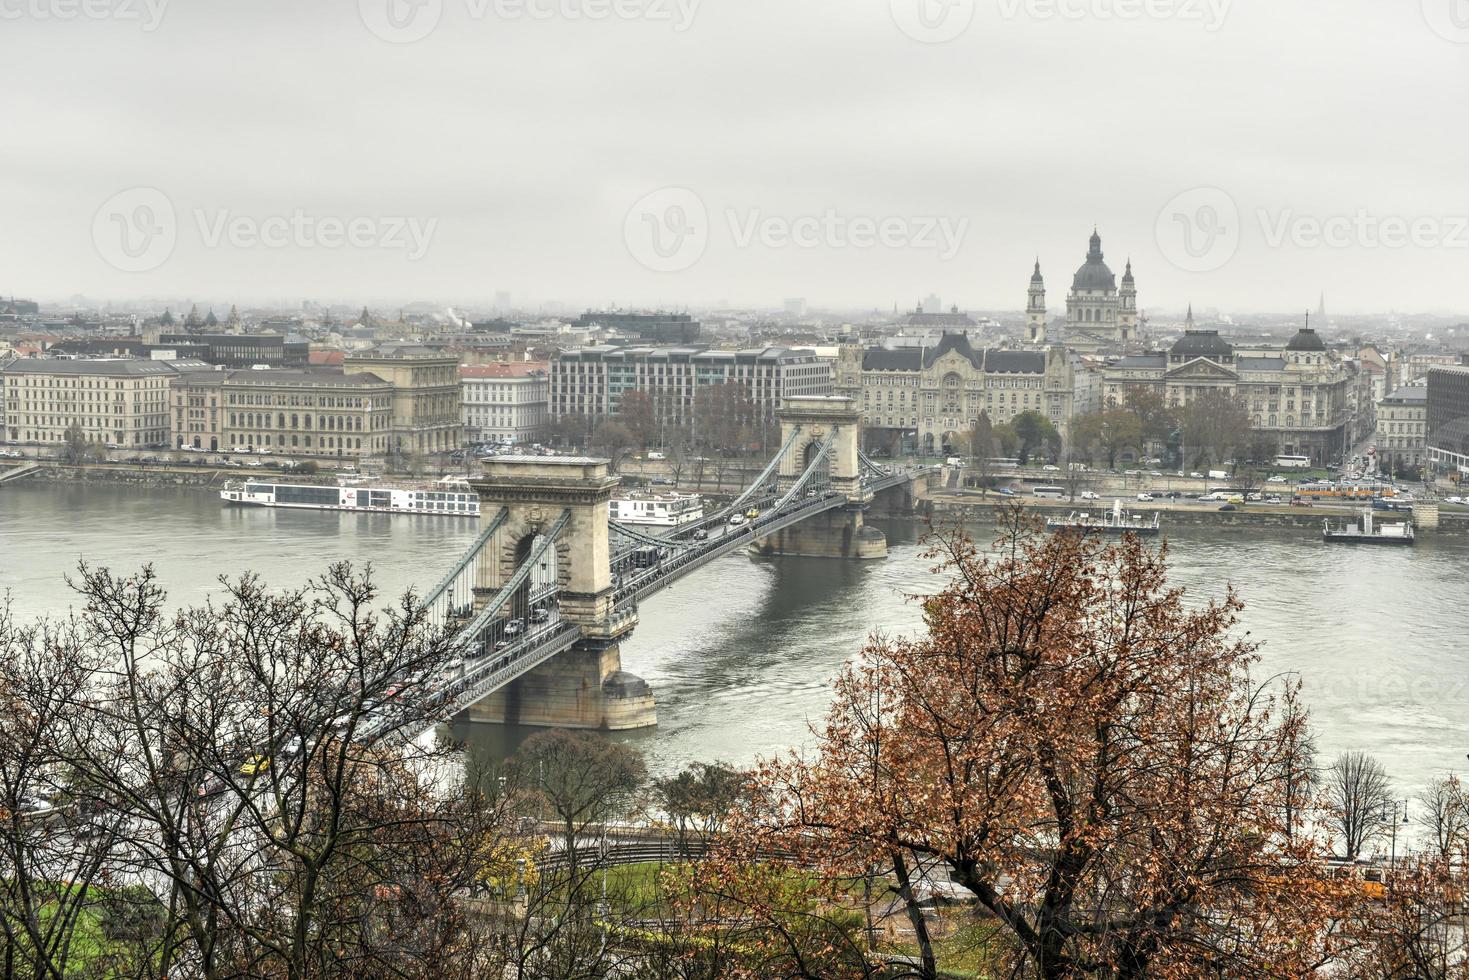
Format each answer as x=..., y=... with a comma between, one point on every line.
x=497, y=668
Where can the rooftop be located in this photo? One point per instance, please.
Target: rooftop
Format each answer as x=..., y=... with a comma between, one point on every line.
x=99, y=367
x=311, y=379
x=508, y=369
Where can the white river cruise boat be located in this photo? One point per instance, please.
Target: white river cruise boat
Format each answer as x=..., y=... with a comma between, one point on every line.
x=451, y=497
x=657, y=510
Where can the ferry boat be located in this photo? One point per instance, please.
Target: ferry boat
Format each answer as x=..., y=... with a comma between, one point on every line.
x=1368, y=530
x=450, y=497
x=1115, y=521
x=657, y=510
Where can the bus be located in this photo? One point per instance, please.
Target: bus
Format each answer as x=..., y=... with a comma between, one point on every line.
x=1293, y=462
x=1051, y=493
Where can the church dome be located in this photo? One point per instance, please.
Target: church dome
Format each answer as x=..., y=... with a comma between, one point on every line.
x=1306, y=339
x=1094, y=274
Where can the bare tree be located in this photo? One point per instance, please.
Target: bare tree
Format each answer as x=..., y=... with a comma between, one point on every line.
x=272, y=802
x=1446, y=811
x=583, y=779
x=1358, y=792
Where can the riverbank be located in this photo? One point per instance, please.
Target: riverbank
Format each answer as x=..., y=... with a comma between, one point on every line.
x=1453, y=523
x=200, y=477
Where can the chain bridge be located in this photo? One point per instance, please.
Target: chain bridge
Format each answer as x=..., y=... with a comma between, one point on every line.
x=541, y=602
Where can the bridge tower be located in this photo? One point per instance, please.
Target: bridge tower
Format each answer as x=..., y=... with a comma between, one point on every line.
x=838, y=533
x=585, y=687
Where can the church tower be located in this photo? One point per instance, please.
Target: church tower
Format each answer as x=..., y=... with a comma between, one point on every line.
x=1035, y=308
x=1127, y=308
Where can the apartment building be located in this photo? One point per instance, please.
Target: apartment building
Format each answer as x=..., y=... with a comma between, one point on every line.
x=507, y=402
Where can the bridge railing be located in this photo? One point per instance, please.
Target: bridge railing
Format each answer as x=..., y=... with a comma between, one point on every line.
x=479, y=626
x=666, y=571
x=453, y=597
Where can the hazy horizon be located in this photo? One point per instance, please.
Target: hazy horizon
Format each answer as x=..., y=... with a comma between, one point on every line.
x=672, y=153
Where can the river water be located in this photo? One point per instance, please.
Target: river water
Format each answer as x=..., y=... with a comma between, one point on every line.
x=740, y=653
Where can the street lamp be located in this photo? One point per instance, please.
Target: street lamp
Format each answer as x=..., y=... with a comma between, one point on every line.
x=1397, y=814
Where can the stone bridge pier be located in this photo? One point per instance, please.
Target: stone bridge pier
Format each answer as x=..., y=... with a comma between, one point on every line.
x=585, y=687
x=836, y=533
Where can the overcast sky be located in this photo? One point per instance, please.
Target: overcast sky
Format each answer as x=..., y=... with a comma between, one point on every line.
x=1246, y=155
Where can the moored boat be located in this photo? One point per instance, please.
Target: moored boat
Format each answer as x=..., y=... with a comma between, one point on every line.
x=451, y=497
x=656, y=509
x=1368, y=530
x=1116, y=521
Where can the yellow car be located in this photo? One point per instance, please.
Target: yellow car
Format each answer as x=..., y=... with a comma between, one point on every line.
x=752, y=513
x=255, y=765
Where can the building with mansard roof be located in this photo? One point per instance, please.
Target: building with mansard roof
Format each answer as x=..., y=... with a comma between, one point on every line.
x=926, y=399
x=1297, y=394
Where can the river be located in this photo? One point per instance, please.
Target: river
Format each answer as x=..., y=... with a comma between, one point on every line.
x=739, y=654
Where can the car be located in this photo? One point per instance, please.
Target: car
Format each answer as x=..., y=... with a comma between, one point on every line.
x=1229, y=507
x=454, y=665
x=514, y=627
x=255, y=462
x=540, y=615
x=1196, y=476
x=1277, y=479
x=255, y=765
x=1154, y=473
x=1300, y=502
x=735, y=520
x=661, y=481
x=752, y=513
x=1090, y=495
x=1274, y=498
x=1145, y=498
x=702, y=534
x=1051, y=469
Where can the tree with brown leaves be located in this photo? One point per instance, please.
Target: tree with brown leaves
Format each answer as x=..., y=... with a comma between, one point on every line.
x=1083, y=752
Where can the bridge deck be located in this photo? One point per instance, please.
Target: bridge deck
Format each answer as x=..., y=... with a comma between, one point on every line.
x=497, y=668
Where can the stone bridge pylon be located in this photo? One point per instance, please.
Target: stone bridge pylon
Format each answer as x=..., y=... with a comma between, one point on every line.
x=838, y=533
x=584, y=687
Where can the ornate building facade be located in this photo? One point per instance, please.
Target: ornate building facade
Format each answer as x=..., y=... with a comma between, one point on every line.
x=935, y=395
x=1296, y=394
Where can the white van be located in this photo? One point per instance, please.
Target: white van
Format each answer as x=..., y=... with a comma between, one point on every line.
x=653, y=455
